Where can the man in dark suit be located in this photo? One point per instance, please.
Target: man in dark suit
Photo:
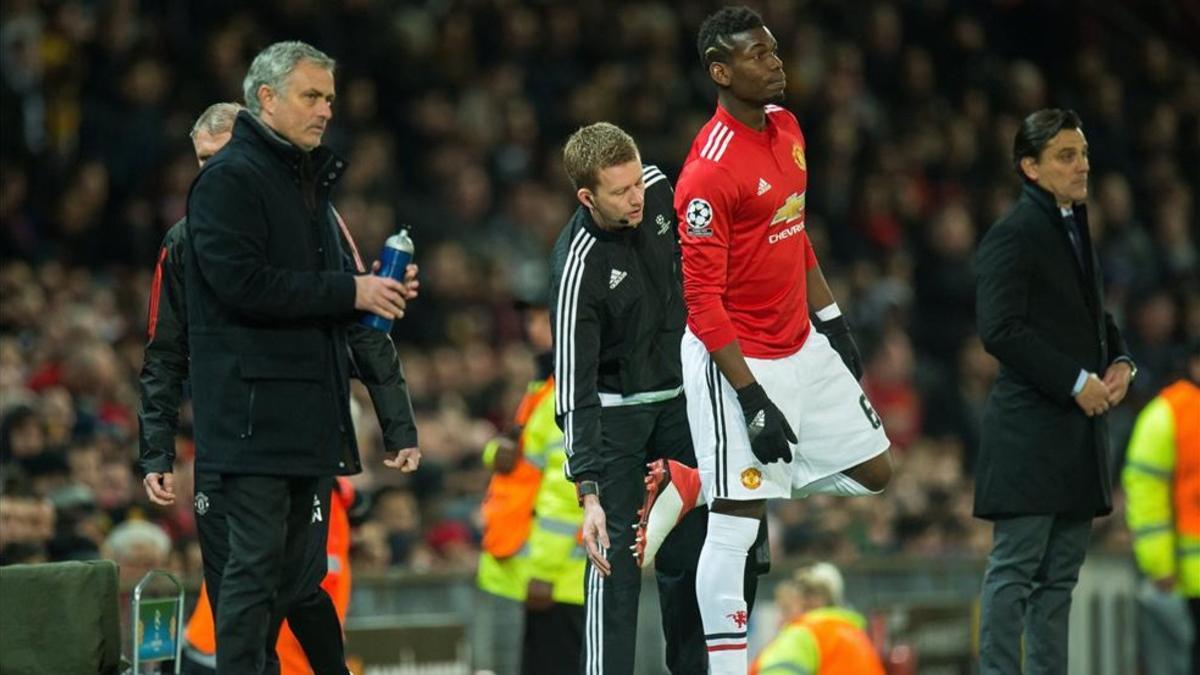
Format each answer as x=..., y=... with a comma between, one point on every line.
x=1043, y=470
x=270, y=303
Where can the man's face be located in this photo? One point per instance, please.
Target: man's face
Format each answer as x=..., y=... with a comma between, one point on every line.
x=206, y=145
x=1062, y=168
x=302, y=108
x=754, y=72
x=619, y=195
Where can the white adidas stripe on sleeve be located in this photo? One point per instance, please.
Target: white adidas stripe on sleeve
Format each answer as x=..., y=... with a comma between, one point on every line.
x=718, y=140
x=567, y=311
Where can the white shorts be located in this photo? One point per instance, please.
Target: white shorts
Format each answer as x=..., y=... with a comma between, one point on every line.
x=836, y=427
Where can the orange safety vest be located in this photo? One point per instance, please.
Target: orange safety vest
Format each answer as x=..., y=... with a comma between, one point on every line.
x=507, y=508
x=845, y=650
x=1184, y=399
x=201, y=633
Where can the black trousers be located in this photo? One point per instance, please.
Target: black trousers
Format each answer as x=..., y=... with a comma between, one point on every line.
x=632, y=436
x=553, y=637
x=263, y=543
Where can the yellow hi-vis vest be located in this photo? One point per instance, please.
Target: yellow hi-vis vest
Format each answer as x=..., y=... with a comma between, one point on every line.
x=553, y=551
x=556, y=553
x=1162, y=487
x=507, y=509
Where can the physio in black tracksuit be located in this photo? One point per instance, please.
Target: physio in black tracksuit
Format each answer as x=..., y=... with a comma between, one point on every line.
x=618, y=316
x=270, y=308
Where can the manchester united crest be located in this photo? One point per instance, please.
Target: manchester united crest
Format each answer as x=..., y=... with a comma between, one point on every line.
x=798, y=155
x=751, y=478
x=201, y=502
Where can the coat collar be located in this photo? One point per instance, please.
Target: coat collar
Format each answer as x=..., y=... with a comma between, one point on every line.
x=832, y=613
x=253, y=130
x=1047, y=203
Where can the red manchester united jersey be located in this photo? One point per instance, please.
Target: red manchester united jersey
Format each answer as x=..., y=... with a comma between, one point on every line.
x=740, y=207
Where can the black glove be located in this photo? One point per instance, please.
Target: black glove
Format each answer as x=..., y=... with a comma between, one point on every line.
x=768, y=429
x=838, y=332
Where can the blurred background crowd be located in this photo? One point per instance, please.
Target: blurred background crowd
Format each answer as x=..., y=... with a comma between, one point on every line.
x=452, y=115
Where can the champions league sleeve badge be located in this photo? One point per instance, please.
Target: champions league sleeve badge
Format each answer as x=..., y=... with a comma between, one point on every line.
x=699, y=216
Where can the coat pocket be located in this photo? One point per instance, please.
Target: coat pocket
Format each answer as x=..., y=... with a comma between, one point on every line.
x=290, y=404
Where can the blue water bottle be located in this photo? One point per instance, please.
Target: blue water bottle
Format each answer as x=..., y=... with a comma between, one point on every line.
x=393, y=262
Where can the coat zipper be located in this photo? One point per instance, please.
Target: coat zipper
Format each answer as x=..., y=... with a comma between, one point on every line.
x=250, y=414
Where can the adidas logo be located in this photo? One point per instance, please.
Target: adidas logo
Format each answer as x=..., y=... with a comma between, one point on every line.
x=615, y=278
x=763, y=186
x=756, y=425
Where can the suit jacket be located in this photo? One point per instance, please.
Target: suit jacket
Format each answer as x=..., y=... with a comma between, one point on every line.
x=1043, y=317
x=269, y=303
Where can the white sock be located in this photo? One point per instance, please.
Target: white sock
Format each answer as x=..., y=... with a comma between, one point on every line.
x=666, y=514
x=720, y=591
x=837, y=484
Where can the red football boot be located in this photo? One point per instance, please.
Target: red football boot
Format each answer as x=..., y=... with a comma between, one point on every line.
x=672, y=489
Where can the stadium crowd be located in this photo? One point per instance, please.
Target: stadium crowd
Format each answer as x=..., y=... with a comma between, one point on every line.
x=453, y=115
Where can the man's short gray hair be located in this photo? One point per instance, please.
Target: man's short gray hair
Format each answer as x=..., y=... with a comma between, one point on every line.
x=217, y=119
x=129, y=534
x=274, y=64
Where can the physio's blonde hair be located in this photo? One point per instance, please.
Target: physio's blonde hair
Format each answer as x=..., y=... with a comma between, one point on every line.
x=593, y=148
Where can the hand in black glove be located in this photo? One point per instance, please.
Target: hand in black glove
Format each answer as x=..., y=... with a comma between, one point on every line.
x=768, y=429
x=838, y=332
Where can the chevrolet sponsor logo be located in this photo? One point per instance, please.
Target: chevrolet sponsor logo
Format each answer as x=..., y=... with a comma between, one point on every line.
x=792, y=209
x=785, y=233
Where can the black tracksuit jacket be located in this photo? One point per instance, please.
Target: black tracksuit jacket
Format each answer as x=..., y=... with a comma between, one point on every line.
x=617, y=316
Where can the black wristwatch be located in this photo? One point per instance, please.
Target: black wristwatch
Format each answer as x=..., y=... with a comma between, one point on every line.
x=586, y=487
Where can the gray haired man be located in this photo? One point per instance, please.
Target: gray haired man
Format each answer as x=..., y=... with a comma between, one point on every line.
x=272, y=295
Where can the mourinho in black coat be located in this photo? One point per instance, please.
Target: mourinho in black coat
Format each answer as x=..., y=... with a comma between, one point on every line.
x=269, y=306
x=1042, y=316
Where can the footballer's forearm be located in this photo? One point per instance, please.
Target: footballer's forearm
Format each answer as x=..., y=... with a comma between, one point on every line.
x=819, y=294
x=733, y=365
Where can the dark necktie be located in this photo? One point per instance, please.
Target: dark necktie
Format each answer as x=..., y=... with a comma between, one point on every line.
x=1076, y=239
